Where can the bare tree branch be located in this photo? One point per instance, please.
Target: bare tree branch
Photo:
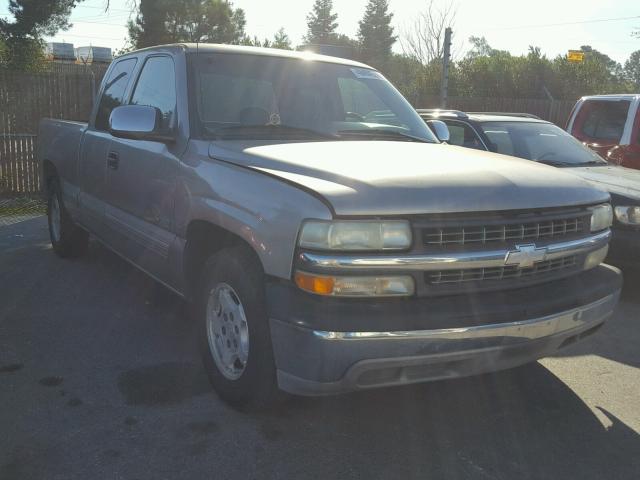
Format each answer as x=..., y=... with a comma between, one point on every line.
x=424, y=39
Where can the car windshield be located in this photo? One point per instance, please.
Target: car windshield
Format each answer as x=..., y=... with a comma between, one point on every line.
x=542, y=142
x=255, y=97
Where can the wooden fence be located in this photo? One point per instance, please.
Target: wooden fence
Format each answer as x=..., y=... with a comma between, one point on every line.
x=25, y=98
x=66, y=92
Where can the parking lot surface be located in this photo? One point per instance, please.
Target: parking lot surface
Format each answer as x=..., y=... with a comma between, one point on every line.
x=100, y=379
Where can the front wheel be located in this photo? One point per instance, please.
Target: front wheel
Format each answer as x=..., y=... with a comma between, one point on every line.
x=67, y=239
x=235, y=339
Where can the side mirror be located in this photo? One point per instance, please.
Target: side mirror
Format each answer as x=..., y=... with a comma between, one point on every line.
x=440, y=129
x=137, y=122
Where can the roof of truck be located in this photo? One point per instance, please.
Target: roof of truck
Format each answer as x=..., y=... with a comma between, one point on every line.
x=264, y=52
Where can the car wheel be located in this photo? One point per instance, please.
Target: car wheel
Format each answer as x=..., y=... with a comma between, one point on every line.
x=234, y=333
x=67, y=239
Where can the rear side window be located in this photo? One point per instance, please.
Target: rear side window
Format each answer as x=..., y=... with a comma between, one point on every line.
x=156, y=87
x=601, y=120
x=463, y=135
x=113, y=94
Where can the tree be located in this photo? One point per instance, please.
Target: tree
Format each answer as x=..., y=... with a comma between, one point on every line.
x=21, y=38
x=375, y=33
x=632, y=69
x=35, y=19
x=202, y=21
x=149, y=27
x=322, y=23
x=480, y=48
x=424, y=41
x=281, y=40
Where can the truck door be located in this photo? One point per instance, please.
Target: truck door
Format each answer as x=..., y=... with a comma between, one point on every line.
x=629, y=155
x=602, y=123
x=142, y=176
x=95, y=147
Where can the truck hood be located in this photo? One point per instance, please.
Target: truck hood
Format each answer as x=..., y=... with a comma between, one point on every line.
x=404, y=178
x=612, y=178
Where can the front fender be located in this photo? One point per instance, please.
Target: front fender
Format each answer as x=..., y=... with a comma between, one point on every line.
x=263, y=211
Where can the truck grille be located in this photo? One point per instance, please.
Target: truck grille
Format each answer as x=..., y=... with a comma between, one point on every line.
x=499, y=273
x=503, y=232
x=498, y=231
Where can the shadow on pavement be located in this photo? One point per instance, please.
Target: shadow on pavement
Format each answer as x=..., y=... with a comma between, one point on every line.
x=618, y=340
x=523, y=423
x=139, y=405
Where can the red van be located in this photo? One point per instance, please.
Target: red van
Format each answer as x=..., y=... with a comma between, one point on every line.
x=610, y=125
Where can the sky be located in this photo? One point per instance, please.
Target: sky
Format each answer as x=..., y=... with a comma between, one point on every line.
x=553, y=25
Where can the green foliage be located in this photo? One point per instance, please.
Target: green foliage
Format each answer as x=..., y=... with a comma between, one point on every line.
x=322, y=23
x=632, y=70
x=37, y=18
x=480, y=48
x=281, y=40
x=23, y=54
x=375, y=34
x=204, y=21
x=21, y=39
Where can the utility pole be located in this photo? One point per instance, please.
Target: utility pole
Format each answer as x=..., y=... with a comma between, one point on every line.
x=446, y=59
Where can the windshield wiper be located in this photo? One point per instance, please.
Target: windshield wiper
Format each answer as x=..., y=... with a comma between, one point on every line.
x=268, y=131
x=554, y=163
x=590, y=163
x=384, y=134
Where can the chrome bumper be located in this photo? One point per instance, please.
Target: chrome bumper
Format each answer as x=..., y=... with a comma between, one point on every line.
x=446, y=261
x=312, y=362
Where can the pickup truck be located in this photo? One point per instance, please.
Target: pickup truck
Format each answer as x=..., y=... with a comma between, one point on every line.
x=326, y=241
x=610, y=125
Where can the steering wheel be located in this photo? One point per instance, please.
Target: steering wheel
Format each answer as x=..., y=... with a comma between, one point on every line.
x=356, y=115
x=253, y=116
x=544, y=155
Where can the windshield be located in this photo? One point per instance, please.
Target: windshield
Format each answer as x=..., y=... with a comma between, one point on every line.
x=542, y=142
x=252, y=96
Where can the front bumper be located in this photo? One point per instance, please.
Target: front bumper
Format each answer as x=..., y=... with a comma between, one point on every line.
x=314, y=361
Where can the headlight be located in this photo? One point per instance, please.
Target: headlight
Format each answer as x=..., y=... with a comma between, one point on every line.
x=356, y=235
x=601, y=217
x=628, y=215
x=365, y=286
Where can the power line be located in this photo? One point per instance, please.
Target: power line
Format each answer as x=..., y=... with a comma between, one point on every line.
x=599, y=20
x=63, y=35
x=72, y=21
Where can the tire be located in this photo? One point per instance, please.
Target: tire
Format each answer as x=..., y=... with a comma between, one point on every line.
x=67, y=239
x=231, y=309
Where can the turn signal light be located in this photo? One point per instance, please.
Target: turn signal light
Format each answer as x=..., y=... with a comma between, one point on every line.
x=315, y=284
x=360, y=286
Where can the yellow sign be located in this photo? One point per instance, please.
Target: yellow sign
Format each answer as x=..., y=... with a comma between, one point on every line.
x=576, y=56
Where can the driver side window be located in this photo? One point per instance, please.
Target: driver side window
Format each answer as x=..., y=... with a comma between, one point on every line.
x=462, y=135
x=156, y=87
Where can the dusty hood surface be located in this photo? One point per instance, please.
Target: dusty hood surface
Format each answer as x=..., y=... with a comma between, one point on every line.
x=615, y=179
x=403, y=178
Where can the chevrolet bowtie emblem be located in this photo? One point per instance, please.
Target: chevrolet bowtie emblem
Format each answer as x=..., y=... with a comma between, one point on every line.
x=525, y=256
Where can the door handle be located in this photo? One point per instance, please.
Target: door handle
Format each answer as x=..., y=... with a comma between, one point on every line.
x=113, y=160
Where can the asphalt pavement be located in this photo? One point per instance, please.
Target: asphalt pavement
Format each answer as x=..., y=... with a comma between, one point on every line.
x=100, y=379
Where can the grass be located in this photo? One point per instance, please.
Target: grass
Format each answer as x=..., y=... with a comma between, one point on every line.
x=10, y=207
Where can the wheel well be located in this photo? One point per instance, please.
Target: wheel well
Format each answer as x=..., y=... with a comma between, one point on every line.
x=50, y=173
x=203, y=240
